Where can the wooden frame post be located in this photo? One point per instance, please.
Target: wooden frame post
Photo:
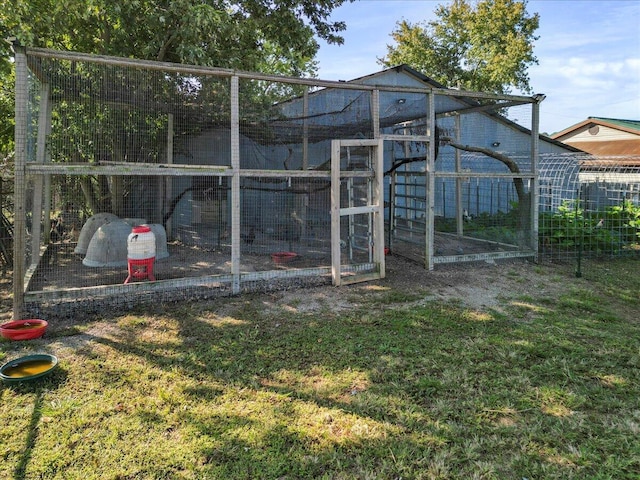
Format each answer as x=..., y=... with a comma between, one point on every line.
x=458, y=160
x=430, y=185
x=19, y=193
x=235, y=184
x=42, y=186
x=534, y=192
x=168, y=181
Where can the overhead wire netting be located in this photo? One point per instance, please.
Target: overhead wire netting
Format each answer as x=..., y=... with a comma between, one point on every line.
x=233, y=175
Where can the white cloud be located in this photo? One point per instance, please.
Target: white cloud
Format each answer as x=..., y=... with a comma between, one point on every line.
x=585, y=73
x=588, y=68
x=634, y=65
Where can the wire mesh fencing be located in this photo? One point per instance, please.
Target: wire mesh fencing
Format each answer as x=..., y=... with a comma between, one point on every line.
x=6, y=218
x=481, y=189
x=238, y=177
x=590, y=208
x=231, y=174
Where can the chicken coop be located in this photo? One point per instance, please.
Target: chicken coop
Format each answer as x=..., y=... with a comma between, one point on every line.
x=251, y=181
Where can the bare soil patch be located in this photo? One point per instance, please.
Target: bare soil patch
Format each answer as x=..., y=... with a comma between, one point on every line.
x=477, y=285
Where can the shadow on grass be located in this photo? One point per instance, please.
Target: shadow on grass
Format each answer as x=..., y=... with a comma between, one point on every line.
x=39, y=387
x=441, y=376
x=217, y=357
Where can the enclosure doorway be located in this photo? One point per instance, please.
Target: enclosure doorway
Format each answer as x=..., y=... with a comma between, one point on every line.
x=357, y=211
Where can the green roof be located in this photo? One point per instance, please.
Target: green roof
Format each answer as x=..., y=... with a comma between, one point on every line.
x=630, y=124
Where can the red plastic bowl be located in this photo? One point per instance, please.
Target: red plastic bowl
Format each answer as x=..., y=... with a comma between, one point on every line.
x=23, y=329
x=283, y=257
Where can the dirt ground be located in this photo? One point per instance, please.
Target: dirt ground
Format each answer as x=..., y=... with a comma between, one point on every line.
x=60, y=268
x=478, y=285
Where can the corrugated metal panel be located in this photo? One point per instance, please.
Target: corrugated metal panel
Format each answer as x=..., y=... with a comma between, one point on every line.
x=609, y=147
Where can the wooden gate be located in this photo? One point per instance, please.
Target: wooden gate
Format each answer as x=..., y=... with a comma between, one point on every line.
x=357, y=211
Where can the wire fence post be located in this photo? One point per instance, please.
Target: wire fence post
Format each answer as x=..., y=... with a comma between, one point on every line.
x=580, y=237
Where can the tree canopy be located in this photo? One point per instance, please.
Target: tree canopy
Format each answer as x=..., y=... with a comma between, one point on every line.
x=221, y=33
x=483, y=46
x=270, y=36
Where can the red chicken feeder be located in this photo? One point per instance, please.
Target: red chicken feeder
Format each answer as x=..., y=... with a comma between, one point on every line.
x=280, y=258
x=23, y=329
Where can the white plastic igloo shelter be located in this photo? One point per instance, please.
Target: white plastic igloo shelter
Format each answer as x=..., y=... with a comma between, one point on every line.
x=89, y=228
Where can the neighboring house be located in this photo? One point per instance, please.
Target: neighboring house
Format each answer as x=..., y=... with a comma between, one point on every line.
x=611, y=172
x=603, y=136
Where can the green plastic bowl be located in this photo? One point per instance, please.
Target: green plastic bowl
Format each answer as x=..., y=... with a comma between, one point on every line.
x=26, y=369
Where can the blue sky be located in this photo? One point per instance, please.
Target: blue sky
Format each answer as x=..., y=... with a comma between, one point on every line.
x=588, y=53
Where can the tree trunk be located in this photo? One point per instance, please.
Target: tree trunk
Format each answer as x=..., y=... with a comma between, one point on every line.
x=524, y=197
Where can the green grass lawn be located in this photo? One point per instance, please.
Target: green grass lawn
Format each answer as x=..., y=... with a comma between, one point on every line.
x=539, y=388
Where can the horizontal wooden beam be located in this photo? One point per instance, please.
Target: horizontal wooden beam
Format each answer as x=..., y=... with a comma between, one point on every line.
x=177, y=170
